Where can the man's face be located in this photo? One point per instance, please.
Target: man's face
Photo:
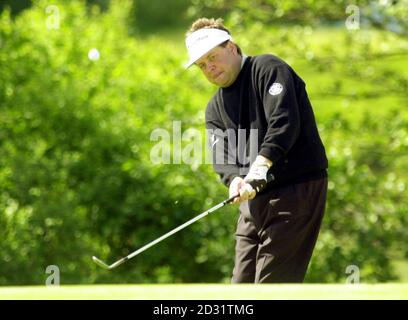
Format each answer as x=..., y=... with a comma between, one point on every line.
x=221, y=65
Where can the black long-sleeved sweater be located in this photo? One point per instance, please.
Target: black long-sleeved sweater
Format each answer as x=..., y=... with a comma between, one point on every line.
x=268, y=103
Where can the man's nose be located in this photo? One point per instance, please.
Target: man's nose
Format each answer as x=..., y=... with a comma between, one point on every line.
x=210, y=67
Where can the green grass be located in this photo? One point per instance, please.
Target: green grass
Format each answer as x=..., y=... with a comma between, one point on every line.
x=210, y=291
x=401, y=268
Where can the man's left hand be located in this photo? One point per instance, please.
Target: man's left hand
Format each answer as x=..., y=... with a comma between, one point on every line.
x=257, y=175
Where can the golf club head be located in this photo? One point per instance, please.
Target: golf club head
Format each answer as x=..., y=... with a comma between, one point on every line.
x=100, y=263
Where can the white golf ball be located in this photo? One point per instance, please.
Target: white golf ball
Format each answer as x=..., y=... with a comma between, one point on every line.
x=93, y=54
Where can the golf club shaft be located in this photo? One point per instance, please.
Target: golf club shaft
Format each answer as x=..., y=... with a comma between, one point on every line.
x=184, y=225
x=168, y=234
x=102, y=264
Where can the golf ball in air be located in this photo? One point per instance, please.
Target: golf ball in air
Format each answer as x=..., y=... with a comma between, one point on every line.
x=93, y=54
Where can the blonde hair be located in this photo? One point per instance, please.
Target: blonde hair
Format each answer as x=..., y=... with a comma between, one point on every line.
x=205, y=23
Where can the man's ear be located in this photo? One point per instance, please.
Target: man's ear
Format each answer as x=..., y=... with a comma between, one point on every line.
x=232, y=47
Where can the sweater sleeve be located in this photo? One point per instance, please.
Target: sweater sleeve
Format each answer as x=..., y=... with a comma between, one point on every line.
x=280, y=103
x=223, y=156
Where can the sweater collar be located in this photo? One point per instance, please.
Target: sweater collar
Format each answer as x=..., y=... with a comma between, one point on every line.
x=244, y=57
x=244, y=62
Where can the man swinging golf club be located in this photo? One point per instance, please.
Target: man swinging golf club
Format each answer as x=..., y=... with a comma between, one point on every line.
x=278, y=227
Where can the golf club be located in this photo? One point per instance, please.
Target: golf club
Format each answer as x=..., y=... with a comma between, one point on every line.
x=258, y=187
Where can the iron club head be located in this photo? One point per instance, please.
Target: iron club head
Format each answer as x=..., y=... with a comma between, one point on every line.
x=100, y=263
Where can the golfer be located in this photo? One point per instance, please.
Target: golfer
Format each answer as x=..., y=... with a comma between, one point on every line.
x=263, y=97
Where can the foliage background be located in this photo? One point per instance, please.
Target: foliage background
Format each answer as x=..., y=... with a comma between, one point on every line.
x=76, y=178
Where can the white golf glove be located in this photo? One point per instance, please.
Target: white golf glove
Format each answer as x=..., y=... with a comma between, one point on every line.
x=257, y=175
x=254, y=181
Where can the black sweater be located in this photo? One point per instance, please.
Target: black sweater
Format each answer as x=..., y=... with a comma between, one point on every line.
x=270, y=97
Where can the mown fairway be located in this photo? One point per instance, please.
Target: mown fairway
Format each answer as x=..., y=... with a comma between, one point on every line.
x=208, y=292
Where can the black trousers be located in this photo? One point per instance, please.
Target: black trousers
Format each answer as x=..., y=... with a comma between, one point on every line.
x=277, y=232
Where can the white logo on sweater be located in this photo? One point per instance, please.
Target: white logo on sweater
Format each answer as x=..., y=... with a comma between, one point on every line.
x=275, y=89
x=214, y=140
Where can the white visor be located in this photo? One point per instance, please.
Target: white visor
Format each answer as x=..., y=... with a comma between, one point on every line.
x=203, y=40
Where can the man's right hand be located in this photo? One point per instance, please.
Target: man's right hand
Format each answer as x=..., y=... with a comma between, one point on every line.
x=241, y=189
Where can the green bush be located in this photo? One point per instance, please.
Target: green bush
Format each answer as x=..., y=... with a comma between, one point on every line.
x=367, y=202
x=75, y=172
